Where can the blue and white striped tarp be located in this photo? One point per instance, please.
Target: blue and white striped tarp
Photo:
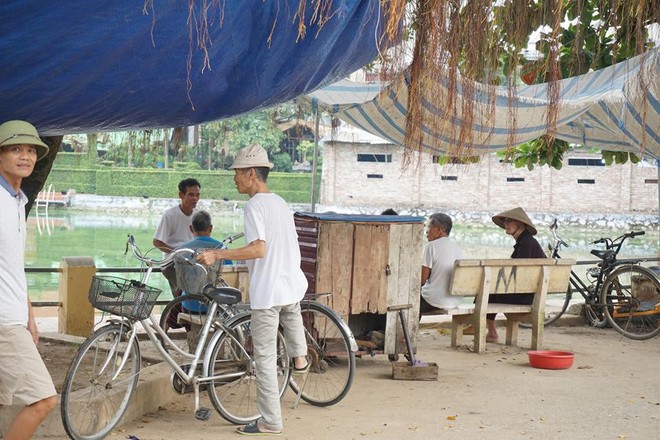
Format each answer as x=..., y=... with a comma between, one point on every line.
x=603, y=109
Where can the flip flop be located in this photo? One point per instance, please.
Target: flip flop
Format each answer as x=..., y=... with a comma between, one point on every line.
x=252, y=428
x=303, y=370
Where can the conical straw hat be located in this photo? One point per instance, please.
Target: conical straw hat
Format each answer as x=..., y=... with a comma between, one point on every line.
x=515, y=214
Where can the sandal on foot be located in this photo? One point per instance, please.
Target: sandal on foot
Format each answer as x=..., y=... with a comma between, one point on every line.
x=492, y=339
x=303, y=370
x=252, y=428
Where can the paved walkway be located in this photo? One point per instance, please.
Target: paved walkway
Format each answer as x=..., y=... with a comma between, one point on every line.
x=611, y=392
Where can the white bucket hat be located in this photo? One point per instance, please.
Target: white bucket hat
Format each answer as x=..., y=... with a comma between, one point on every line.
x=22, y=133
x=515, y=214
x=252, y=156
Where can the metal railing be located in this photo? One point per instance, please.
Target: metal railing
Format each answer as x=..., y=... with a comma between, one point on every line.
x=40, y=303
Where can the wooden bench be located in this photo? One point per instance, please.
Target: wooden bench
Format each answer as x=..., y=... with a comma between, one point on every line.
x=481, y=278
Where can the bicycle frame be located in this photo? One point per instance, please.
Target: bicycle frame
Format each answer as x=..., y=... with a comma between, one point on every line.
x=154, y=331
x=592, y=293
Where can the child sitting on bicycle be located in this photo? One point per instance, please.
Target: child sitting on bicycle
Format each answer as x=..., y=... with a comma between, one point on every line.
x=190, y=277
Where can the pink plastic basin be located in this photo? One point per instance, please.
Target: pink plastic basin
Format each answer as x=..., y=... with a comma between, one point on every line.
x=551, y=360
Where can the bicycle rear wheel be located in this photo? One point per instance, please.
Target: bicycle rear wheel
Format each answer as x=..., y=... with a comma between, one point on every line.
x=631, y=295
x=98, y=386
x=234, y=391
x=329, y=350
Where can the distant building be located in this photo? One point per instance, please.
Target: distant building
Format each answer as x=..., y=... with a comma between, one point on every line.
x=360, y=169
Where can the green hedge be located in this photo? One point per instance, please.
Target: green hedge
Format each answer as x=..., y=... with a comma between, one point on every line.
x=131, y=182
x=70, y=160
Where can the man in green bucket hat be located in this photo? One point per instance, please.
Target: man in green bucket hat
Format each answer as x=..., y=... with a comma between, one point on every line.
x=24, y=377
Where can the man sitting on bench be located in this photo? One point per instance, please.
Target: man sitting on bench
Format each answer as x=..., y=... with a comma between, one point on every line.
x=437, y=266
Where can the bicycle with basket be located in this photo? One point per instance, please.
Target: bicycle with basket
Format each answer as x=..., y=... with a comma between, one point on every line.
x=105, y=371
x=620, y=293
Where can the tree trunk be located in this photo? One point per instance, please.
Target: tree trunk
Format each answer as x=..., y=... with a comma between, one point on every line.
x=92, y=150
x=166, y=147
x=35, y=182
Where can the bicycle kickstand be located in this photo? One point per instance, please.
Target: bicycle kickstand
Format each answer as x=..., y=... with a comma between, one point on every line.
x=301, y=387
x=201, y=413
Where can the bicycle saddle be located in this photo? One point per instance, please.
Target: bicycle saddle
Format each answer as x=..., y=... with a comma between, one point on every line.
x=606, y=255
x=222, y=295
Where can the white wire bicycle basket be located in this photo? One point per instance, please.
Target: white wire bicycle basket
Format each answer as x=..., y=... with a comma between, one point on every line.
x=128, y=298
x=192, y=276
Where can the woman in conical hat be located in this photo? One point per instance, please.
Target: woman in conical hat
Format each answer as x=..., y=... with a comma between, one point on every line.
x=517, y=224
x=519, y=217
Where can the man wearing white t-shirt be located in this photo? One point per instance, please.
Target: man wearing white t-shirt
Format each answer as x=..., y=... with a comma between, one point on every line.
x=437, y=265
x=174, y=227
x=277, y=283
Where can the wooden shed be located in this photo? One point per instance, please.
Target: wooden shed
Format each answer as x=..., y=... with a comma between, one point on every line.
x=368, y=262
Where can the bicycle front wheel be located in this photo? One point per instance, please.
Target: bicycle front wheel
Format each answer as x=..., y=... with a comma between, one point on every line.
x=631, y=299
x=233, y=390
x=556, y=304
x=333, y=362
x=100, y=383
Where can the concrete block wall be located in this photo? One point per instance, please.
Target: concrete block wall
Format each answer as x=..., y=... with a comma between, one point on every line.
x=487, y=185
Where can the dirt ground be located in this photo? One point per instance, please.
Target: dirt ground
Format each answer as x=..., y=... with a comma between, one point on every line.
x=611, y=392
x=57, y=356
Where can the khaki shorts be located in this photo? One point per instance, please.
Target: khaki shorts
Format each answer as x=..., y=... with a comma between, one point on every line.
x=23, y=374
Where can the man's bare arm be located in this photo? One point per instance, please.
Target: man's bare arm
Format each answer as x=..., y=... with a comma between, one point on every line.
x=426, y=273
x=162, y=246
x=252, y=251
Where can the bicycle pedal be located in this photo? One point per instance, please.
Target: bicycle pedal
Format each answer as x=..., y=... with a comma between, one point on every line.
x=203, y=414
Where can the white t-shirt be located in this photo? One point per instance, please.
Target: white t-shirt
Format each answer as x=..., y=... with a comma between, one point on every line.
x=276, y=279
x=13, y=285
x=174, y=227
x=439, y=256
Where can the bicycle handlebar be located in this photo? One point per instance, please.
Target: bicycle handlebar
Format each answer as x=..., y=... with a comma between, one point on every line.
x=559, y=242
x=610, y=243
x=169, y=258
x=233, y=238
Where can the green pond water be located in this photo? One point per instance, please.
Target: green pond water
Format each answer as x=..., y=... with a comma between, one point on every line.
x=102, y=236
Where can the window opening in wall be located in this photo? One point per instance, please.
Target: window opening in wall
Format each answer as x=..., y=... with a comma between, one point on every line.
x=586, y=181
x=653, y=181
x=586, y=162
x=364, y=157
x=448, y=177
x=374, y=176
x=515, y=179
x=454, y=160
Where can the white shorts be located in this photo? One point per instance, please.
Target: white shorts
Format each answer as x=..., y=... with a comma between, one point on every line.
x=23, y=375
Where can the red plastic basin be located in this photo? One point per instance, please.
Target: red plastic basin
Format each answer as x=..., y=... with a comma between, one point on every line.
x=551, y=360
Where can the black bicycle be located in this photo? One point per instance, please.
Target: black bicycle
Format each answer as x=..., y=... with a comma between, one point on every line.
x=620, y=293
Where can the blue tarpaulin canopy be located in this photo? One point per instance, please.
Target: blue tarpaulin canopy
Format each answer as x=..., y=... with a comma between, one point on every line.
x=76, y=67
